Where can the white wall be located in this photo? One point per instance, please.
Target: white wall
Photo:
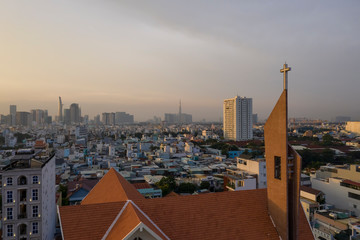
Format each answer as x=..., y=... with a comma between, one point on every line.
x=337, y=195
x=48, y=210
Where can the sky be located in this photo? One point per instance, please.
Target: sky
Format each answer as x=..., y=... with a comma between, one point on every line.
x=141, y=57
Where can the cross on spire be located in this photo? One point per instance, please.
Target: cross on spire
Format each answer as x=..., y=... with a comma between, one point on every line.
x=284, y=71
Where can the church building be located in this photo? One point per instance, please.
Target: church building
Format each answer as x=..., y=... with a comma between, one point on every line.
x=114, y=209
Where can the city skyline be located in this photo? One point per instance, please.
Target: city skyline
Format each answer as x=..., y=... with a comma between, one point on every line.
x=142, y=57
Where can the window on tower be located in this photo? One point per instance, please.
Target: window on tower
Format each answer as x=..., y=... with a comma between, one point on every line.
x=277, y=167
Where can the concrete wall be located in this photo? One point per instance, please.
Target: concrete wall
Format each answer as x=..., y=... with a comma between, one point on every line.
x=338, y=195
x=48, y=209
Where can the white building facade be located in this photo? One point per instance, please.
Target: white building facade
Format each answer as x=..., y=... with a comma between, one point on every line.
x=237, y=114
x=254, y=166
x=29, y=207
x=344, y=194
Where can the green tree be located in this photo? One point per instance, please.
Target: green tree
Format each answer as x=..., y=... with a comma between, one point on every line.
x=153, y=148
x=167, y=185
x=187, y=188
x=63, y=190
x=327, y=140
x=204, y=185
x=138, y=135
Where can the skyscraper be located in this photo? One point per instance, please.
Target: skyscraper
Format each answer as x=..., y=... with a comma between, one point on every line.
x=13, y=114
x=60, y=111
x=238, y=118
x=75, y=113
x=67, y=116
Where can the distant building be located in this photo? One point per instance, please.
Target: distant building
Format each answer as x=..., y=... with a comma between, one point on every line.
x=123, y=118
x=13, y=114
x=97, y=119
x=170, y=117
x=353, y=126
x=173, y=118
x=238, y=119
x=108, y=118
x=39, y=117
x=60, y=110
x=23, y=119
x=255, y=118
x=67, y=116
x=180, y=117
x=29, y=208
x=75, y=113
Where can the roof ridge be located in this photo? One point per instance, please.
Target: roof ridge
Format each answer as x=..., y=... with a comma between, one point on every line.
x=149, y=219
x=115, y=220
x=93, y=188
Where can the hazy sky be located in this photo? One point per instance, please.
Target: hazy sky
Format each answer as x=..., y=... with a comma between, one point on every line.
x=143, y=56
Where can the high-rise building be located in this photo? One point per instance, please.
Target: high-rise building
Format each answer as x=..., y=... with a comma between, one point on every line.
x=170, y=117
x=60, y=111
x=179, y=118
x=123, y=118
x=255, y=118
x=108, y=118
x=67, y=116
x=75, y=113
x=23, y=119
x=28, y=192
x=13, y=114
x=238, y=119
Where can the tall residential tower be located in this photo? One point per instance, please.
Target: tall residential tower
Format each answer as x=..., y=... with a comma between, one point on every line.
x=60, y=111
x=238, y=118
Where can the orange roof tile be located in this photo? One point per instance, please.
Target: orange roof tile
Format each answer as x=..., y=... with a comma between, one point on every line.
x=141, y=185
x=129, y=219
x=172, y=194
x=112, y=188
x=226, y=215
x=88, y=221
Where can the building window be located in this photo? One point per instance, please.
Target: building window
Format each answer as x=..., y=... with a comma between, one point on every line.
x=9, y=213
x=9, y=196
x=22, y=180
x=35, y=194
x=35, y=227
x=9, y=230
x=35, y=179
x=240, y=183
x=9, y=181
x=354, y=196
x=35, y=211
x=277, y=167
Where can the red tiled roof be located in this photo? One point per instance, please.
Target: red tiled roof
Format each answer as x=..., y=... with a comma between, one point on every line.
x=172, y=194
x=226, y=215
x=310, y=190
x=352, y=183
x=141, y=185
x=88, y=221
x=112, y=188
x=128, y=220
